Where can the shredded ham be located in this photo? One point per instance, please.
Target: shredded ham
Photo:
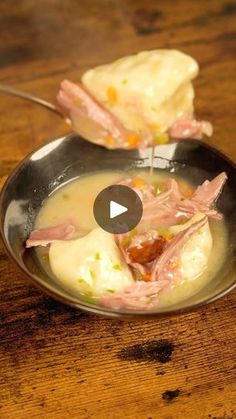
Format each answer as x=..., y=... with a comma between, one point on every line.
x=160, y=266
x=170, y=206
x=189, y=127
x=145, y=294
x=46, y=236
x=209, y=191
x=74, y=98
x=95, y=122
x=145, y=192
x=166, y=209
x=141, y=295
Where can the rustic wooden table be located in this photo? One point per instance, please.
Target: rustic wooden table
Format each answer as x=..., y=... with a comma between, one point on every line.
x=55, y=361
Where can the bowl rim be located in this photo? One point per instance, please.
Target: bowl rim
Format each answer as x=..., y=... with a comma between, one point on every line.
x=87, y=307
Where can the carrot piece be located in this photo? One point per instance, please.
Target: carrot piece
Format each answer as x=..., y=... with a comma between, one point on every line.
x=138, y=182
x=109, y=140
x=146, y=277
x=133, y=139
x=189, y=192
x=112, y=95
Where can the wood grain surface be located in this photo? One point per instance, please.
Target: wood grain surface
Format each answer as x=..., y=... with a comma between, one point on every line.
x=57, y=362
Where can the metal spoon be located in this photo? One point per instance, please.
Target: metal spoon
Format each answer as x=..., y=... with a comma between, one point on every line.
x=15, y=92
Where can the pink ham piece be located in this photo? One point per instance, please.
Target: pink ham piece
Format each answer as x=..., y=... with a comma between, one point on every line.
x=160, y=267
x=209, y=191
x=96, y=123
x=204, y=197
x=170, y=206
x=146, y=192
x=88, y=116
x=190, y=128
x=141, y=295
x=46, y=236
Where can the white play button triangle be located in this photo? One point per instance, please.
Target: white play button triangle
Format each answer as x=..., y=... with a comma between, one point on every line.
x=116, y=209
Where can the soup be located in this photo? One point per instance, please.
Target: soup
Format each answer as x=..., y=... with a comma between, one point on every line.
x=132, y=282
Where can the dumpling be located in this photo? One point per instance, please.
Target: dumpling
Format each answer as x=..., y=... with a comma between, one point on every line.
x=152, y=88
x=194, y=256
x=91, y=265
x=136, y=101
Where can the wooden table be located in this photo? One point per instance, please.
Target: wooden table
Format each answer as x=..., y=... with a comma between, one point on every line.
x=55, y=361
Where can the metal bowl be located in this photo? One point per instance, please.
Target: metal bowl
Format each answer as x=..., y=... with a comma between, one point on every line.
x=39, y=174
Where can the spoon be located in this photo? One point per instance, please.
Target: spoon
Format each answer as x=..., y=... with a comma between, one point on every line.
x=15, y=92
x=82, y=124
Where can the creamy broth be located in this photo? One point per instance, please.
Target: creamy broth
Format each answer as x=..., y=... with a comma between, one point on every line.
x=74, y=201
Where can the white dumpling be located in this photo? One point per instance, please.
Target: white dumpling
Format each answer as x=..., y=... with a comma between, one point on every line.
x=90, y=265
x=194, y=256
x=151, y=88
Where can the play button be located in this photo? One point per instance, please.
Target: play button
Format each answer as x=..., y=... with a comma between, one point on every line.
x=117, y=209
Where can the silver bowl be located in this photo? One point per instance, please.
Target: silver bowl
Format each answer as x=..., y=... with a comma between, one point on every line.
x=40, y=173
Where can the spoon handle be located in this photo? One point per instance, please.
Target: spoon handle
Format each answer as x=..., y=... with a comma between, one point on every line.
x=15, y=92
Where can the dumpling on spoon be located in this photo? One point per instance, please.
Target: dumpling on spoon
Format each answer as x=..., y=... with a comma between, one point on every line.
x=136, y=101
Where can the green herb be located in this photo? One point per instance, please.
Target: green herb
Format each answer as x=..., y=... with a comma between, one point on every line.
x=97, y=256
x=82, y=281
x=125, y=81
x=126, y=242
x=117, y=267
x=46, y=258
x=158, y=190
x=160, y=138
x=153, y=108
x=89, y=297
x=163, y=231
x=92, y=273
x=133, y=232
x=110, y=291
x=65, y=196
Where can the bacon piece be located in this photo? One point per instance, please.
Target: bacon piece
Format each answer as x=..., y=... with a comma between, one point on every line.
x=140, y=249
x=146, y=251
x=48, y=235
x=190, y=128
x=137, y=266
x=160, y=267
